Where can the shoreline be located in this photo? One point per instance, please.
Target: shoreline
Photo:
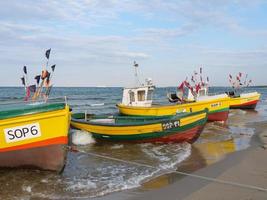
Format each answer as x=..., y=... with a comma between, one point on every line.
x=244, y=167
x=241, y=167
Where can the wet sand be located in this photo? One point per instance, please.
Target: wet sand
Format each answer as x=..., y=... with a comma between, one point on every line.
x=246, y=167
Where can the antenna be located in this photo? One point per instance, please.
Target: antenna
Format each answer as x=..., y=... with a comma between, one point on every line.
x=137, y=82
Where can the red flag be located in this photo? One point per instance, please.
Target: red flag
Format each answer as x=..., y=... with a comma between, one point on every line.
x=28, y=94
x=181, y=87
x=198, y=87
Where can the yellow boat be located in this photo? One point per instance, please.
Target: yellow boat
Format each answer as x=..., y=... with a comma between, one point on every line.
x=177, y=128
x=244, y=100
x=34, y=135
x=138, y=101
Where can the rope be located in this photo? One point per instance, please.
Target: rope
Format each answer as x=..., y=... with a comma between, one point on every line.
x=252, y=187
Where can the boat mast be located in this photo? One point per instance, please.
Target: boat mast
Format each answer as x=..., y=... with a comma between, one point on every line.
x=137, y=81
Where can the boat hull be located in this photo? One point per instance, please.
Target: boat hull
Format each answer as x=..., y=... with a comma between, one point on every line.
x=218, y=109
x=188, y=130
x=245, y=101
x=51, y=157
x=46, y=150
x=218, y=116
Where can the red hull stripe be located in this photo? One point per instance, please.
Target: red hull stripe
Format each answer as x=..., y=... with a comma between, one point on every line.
x=58, y=140
x=185, y=136
x=246, y=104
x=218, y=116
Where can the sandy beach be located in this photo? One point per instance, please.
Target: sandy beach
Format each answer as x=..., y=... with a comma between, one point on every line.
x=246, y=167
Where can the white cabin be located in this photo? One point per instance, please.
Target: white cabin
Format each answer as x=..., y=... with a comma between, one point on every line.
x=139, y=96
x=203, y=91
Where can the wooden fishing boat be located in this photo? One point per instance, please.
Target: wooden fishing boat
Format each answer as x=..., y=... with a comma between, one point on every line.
x=34, y=135
x=240, y=99
x=177, y=128
x=244, y=100
x=138, y=101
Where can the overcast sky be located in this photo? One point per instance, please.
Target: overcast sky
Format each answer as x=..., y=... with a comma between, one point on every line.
x=95, y=42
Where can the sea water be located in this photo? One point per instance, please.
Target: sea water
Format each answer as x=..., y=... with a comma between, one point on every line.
x=86, y=175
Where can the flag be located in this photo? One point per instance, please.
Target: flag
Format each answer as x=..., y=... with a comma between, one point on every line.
x=47, y=53
x=198, y=87
x=37, y=78
x=23, y=81
x=28, y=94
x=200, y=70
x=25, y=69
x=135, y=64
x=44, y=74
x=48, y=79
x=53, y=67
x=181, y=87
x=32, y=88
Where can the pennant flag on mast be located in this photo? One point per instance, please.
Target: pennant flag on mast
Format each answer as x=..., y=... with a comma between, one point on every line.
x=47, y=53
x=135, y=64
x=23, y=81
x=181, y=87
x=53, y=67
x=25, y=70
x=37, y=78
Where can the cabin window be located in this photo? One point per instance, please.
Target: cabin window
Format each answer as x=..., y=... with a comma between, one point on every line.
x=132, y=99
x=141, y=95
x=149, y=95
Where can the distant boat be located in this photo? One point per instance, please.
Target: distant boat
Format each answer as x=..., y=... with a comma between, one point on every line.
x=34, y=135
x=183, y=127
x=244, y=100
x=239, y=99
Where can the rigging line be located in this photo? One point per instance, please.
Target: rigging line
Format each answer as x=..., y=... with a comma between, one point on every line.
x=252, y=187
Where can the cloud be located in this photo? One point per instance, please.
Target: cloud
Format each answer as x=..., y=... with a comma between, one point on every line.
x=86, y=33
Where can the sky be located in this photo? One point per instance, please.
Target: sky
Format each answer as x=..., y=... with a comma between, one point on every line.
x=94, y=43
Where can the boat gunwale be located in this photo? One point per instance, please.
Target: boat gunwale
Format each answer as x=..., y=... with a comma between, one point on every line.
x=36, y=109
x=167, y=106
x=149, y=122
x=158, y=134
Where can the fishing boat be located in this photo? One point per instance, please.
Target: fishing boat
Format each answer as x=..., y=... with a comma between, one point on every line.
x=240, y=99
x=183, y=127
x=138, y=101
x=34, y=132
x=34, y=135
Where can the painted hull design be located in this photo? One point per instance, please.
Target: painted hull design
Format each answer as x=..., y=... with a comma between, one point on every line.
x=218, y=109
x=245, y=101
x=179, y=128
x=34, y=137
